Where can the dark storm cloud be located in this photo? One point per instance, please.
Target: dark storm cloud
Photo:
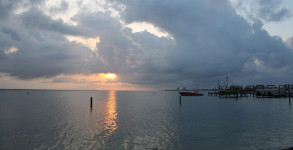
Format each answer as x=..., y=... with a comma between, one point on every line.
x=8, y=6
x=4, y=8
x=36, y=19
x=42, y=55
x=13, y=34
x=208, y=41
x=113, y=47
x=127, y=53
x=43, y=51
x=211, y=41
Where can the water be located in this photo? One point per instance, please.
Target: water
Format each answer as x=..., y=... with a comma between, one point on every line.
x=141, y=120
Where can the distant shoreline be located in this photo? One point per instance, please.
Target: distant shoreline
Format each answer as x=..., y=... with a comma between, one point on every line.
x=75, y=90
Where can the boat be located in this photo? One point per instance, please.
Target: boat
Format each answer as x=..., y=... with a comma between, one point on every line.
x=231, y=90
x=190, y=94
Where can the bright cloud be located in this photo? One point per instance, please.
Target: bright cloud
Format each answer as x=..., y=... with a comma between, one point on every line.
x=144, y=26
x=91, y=43
x=10, y=50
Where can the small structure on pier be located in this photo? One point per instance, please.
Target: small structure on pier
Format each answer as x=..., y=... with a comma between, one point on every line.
x=273, y=90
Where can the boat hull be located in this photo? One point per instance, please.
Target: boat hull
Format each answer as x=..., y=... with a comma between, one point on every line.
x=190, y=94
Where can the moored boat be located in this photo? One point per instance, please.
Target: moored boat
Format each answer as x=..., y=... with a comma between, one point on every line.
x=190, y=94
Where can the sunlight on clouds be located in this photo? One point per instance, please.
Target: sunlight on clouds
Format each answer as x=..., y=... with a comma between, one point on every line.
x=289, y=42
x=90, y=78
x=144, y=26
x=10, y=50
x=73, y=7
x=257, y=62
x=244, y=9
x=109, y=76
x=96, y=81
x=91, y=6
x=23, y=6
x=260, y=66
x=91, y=43
x=69, y=82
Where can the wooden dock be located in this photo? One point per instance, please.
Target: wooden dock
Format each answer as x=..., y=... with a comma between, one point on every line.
x=258, y=91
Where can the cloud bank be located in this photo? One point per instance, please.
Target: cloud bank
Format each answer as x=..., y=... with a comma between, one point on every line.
x=207, y=39
x=266, y=10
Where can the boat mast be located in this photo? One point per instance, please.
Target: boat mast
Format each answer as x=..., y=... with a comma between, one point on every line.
x=227, y=81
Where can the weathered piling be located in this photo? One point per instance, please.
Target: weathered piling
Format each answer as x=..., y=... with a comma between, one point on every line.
x=180, y=100
x=91, y=102
x=289, y=96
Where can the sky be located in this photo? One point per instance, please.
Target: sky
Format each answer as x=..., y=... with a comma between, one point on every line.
x=144, y=44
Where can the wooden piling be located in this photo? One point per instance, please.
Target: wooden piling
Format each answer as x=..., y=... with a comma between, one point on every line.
x=289, y=96
x=180, y=100
x=91, y=102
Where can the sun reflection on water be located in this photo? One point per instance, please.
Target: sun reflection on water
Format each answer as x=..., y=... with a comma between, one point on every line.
x=111, y=114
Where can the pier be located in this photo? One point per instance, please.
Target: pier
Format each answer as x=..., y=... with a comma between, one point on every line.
x=258, y=91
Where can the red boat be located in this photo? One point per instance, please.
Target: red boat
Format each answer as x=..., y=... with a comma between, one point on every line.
x=190, y=94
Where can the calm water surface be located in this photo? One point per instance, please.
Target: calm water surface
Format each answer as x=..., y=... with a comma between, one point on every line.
x=141, y=120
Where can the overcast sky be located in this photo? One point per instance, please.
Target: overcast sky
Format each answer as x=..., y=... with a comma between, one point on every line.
x=148, y=44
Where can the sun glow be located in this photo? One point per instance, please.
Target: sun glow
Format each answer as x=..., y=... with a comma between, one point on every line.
x=108, y=76
x=111, y=76
x=96, y=81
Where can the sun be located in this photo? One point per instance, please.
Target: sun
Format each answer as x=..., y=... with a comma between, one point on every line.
x=107, y=76
x=111, y=75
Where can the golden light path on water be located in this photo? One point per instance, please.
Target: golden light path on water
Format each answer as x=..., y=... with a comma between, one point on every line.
x=111, y=114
